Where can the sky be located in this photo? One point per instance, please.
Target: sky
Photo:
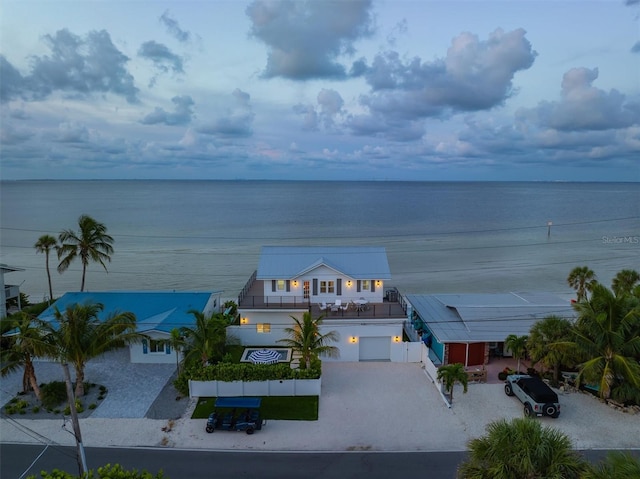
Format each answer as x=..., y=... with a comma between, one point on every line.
x=320, y=90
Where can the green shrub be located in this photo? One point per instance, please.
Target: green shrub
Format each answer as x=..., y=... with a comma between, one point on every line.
x=105, y=472
x=54, y=394
x=36, y=409
x=92, y=406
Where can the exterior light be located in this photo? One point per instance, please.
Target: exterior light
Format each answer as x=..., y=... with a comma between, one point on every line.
x=295, y=284
x=396, y=339
x=378, y=282
x=353, y=339
x=244, y=320
x=349, y=283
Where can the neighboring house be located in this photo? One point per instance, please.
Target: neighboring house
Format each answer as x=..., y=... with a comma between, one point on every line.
x=157, y=313
x=8, y=291
x=471, y=328
x=291, y=280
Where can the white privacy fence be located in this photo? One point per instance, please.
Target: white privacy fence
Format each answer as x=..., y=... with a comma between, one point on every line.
x=277, y=387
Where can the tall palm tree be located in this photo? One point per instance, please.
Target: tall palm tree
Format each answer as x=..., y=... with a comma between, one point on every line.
x=521, y=449
x=305, y=337
x=26, y=341
x=80, y=335
x=91, y=243
x=582, y=279
x=541, y=343
x=206, y=339
x=607, y=336
x=450, y=374
x=44, y=245
x=517, y=345
x=625, y=281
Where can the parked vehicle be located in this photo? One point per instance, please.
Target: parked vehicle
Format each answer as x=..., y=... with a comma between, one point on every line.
x=235, y=414
x=538, y=398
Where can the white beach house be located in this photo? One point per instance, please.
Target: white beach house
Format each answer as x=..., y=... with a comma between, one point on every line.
x=348, y=285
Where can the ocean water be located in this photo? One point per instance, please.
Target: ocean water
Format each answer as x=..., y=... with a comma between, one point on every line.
x=440, y=236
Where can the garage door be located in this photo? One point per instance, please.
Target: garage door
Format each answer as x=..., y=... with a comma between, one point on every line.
x=375, y=349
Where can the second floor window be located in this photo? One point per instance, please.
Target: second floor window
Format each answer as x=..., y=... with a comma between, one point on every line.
x=327, y=287
x=281, y=284
x=366, y=285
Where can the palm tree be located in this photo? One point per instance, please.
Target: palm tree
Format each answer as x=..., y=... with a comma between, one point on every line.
x=44, y=245
x=305, y=338
x=91, y=243
x=206, y=340
x=607, y=337
x=521, y=449
x=26, y=341
x=582, y=279
x=620, y=465
x=450, y=374
x=177, y=343
x=625, y=281
x=80, y=335
x=517, y=345
x=541, y=343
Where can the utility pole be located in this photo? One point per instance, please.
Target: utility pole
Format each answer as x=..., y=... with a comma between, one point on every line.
x=82, y=460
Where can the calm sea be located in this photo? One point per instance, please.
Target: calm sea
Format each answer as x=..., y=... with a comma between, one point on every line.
x=439, y=236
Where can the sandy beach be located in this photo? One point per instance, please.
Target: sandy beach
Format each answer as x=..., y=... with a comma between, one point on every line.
x=364, y=406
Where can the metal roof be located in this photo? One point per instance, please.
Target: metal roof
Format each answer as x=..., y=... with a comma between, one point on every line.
x=154, y=310
x=486, y=317
x=289, y=262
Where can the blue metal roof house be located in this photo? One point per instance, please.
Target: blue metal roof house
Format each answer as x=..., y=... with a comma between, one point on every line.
x=470, y=328
x=157, y=313
x=345, y=284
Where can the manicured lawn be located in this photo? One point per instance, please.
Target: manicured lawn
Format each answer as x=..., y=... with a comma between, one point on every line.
x=292, y=408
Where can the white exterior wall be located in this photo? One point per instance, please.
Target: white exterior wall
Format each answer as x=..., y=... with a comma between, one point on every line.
x=136, y=351
x=247, y=331
x=323, y=273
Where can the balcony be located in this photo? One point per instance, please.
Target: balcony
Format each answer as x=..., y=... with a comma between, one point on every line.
x=253, y=297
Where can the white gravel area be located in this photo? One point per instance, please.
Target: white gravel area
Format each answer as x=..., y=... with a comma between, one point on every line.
x=363, y=406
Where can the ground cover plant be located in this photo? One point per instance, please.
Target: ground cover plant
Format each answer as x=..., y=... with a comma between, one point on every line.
x=290, y=408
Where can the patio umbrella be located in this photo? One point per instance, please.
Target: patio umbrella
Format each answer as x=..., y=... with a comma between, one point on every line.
x=264, y=356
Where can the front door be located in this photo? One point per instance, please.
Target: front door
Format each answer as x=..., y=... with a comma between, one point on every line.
x=305, y=289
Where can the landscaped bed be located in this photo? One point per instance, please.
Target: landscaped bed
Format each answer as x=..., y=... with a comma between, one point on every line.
x=291, y=408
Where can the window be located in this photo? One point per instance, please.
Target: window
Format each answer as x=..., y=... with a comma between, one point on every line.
x=263, y=327
x=327, y=287
x=281, y=284
x=365, y=285
x=156, y=346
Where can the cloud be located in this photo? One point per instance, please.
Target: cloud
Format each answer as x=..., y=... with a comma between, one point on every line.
x=173, y=28
x=182, y=114
x=238, y=119
x=72, y=132
x=635, y=48
x=80, y=65
x=330, y=105
x=306, y=38
x=163, y=59
x=474, y=75
x=583, y=106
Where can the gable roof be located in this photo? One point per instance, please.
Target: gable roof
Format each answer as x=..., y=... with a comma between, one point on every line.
x=288, y=262
x=486, y=317
x=154, y=310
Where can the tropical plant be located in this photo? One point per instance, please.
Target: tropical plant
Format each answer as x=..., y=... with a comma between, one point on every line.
x=616, y=464
x=450, y=374
x=105, y=472
x=625, y=281
x=541, y=343
x=91, y=243
x=206, y=339
x=607, y=337
x=518, y=346
x=26, y=342
x=177, y=342
x=80, y=335
x=44, y=245
x=305, y=337
x=582, y=279
x=521, y=449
